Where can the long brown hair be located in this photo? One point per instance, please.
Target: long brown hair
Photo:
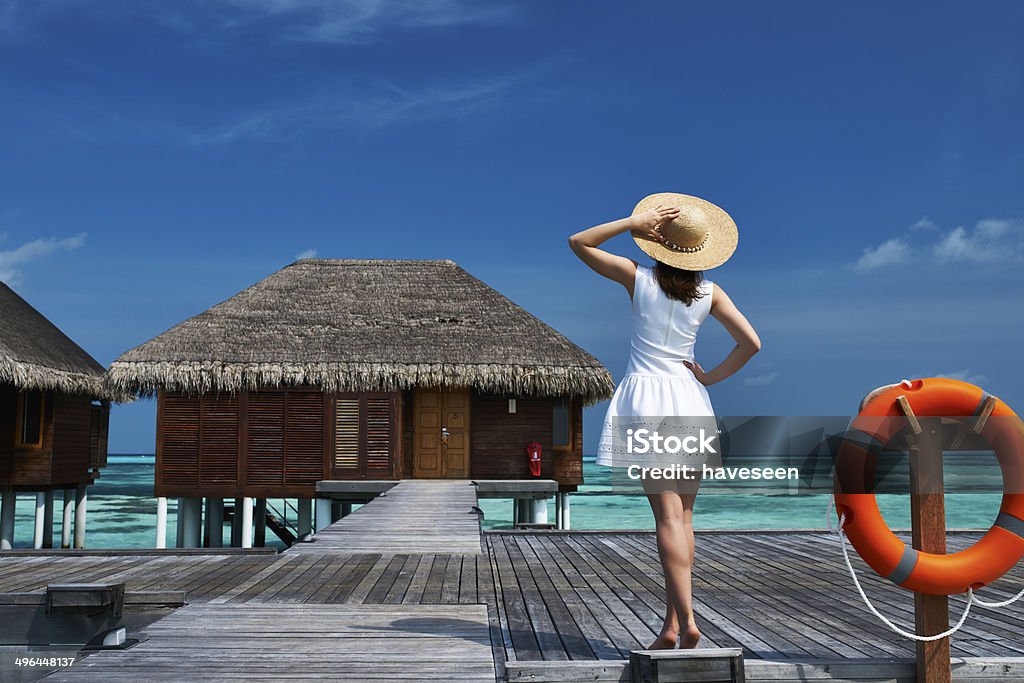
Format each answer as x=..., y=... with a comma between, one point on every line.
x=681, y=285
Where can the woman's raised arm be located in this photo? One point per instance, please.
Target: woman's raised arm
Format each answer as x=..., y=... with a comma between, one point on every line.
x=586, y=243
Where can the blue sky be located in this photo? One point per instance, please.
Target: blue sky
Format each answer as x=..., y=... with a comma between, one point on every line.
x=159, y=157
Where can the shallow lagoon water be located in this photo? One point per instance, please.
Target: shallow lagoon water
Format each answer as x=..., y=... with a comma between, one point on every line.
x=122, y=510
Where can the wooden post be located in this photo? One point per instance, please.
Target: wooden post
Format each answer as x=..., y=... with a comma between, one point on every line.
x=7, y=520
x=191, y=522
x=65, y=520
x=236, y=524
x=260, y=514
x=48, y=519
x=40, y=521
x=161, y=522
x=246, y=522
x=539, y=511
x=179, y=538
x=81, y=515
x=928, y=522
x=323, y=513
x=215, y=521
x=305, y=506
x=204, y=504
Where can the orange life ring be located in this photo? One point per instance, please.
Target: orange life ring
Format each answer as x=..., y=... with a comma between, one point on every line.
x=985, y=561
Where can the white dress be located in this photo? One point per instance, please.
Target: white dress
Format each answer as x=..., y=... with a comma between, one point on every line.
x=656, y=384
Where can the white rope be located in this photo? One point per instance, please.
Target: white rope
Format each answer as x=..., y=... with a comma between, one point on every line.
x=972, y=599
x=1004, y=603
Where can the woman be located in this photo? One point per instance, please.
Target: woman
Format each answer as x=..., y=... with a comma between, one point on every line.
x=686, y=236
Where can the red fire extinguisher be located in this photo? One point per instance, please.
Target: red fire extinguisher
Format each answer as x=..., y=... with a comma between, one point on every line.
x=533, y=452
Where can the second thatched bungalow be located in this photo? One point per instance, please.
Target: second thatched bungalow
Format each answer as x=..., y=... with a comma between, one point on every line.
x=358, y=370
x=54, y=414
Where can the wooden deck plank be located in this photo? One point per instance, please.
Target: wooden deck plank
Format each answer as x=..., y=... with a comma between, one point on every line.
x=418, y=582
x=521, y=633
x=344, y=642
x=582, y=603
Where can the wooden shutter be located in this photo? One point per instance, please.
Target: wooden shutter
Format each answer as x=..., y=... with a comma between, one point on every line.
x=304, y=437
x=218, y=439
x=179, y=447
x=265, y=438
x=379, y=434
x=346, y=436
x=99, y=426
x=364, y=435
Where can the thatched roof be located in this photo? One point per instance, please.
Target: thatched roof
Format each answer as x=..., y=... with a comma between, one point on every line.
x=356, y=325
x=34, y=354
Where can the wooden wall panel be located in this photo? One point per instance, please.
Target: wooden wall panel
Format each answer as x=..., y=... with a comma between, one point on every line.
x=285, y=441
x=177, y=443
x=498, y=446
x=500, y=438
x=65, y=456
x=72, y=436
x=8, y=414
x=304, y=438
x=265, y=438
x=218, y=440
x=405, y=455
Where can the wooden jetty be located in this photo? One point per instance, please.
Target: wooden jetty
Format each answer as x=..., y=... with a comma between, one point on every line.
x=422, y=516
x=559, y=606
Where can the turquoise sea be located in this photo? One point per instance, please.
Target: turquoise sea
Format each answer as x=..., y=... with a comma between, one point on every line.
x=122, y=510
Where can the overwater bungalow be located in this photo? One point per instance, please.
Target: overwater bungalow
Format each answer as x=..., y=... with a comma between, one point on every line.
x=356, y=371
x=54, y=412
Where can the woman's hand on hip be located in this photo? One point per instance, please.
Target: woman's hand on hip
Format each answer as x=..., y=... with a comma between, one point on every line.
x=697, y=371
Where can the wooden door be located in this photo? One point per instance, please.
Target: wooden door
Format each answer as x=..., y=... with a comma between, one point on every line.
x=441, y=434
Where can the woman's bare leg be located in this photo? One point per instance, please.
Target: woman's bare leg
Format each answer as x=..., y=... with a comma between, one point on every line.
x=689, y=633
x=673, y=516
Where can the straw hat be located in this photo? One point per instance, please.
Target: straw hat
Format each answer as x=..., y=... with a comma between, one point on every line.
x=701, y=237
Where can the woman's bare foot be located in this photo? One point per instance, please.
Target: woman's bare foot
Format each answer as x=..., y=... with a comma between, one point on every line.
x=689, y=638
x=666, y=640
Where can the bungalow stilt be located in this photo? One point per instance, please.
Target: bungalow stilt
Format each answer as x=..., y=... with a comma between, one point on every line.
x=161, y=522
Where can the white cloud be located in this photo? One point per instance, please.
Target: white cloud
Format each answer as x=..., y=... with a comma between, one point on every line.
x=989, y=241
x=349, y=22
x=10, y=259
x=346, y=107
x=965, y=375
x=761, y=380
x=888, y=253
x=362, y=21
x=924, y=224
x=308, y=253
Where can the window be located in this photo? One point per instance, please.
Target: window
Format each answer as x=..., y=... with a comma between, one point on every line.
x=561, y=425
x=30, y=419
x=364, y=434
